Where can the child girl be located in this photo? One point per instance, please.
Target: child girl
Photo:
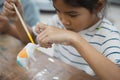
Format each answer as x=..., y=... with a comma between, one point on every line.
x=83, y=38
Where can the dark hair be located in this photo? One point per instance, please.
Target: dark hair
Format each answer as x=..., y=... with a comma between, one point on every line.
x=88, y=4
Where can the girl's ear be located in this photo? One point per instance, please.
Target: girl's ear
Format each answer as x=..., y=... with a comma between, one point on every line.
x=99, y=6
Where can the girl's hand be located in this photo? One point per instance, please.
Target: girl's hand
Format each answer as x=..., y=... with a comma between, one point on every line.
x=49, y=35
x=8, y=9
x=4, y=24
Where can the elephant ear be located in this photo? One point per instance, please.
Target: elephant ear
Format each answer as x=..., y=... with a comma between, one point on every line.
x=23, y=62
x=30, y=50
x=26, y=54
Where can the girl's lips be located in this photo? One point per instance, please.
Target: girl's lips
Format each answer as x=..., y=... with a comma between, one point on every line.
x=72, y=30
x=69, y=29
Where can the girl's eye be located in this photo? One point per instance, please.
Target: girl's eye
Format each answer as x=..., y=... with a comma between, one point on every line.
x=73, y=15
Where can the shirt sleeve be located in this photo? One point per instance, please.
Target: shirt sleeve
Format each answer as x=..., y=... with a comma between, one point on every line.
x=111, y=46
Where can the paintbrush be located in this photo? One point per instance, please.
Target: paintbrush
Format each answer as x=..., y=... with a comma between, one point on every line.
x=23, y=24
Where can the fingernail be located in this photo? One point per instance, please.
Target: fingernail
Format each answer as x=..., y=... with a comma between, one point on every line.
x=41, y=30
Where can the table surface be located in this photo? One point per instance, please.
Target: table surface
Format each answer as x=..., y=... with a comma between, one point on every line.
x=45, y=67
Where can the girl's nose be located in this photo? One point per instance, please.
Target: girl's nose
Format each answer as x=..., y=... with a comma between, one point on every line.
x=65, y=20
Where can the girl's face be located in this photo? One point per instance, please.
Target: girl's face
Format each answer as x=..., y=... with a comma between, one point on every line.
x=75, y=19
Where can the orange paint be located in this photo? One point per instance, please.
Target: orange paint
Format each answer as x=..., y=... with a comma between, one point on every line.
x=23, y=54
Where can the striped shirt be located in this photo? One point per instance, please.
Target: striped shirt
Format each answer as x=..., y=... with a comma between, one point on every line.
x=103, y=36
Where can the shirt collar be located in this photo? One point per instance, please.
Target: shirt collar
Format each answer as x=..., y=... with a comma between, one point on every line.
x=92, y=28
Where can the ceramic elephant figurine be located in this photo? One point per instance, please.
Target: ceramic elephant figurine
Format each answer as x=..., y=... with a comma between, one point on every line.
x=26, y=54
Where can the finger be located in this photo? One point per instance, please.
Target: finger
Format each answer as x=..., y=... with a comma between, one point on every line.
x=13, y=1
x=41, y=37
x=41, y=26
x=48, y=40
x=7, y=12
x=38, y=29
x=43, y=34
x=45, y=43
x=8, y=5
x=16, y=2
x=3, y=18
x=49, y=45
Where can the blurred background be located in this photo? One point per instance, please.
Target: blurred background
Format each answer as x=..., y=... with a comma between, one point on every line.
x=47, y=10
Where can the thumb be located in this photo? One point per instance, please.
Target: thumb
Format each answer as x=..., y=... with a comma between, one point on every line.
x=40, y=27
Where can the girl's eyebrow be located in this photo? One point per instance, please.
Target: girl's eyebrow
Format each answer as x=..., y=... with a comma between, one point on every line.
x=71, y=12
